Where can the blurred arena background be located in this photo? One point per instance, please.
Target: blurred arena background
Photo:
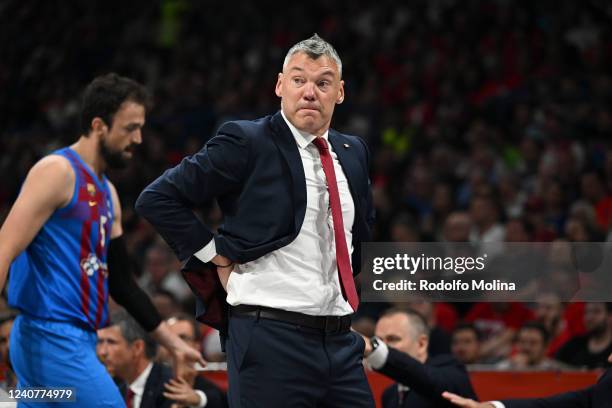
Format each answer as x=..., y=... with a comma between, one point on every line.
x=487, y=120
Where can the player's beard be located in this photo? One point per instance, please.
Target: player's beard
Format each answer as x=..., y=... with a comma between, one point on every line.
x=113, y=158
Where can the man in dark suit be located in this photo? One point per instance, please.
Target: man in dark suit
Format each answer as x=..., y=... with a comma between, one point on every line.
x=296, y=205
x=127, y=351
x=399, y=351
x=595, y=396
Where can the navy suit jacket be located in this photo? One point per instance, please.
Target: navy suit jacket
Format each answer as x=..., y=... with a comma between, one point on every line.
x=153, y=395
x=596, y=396
x=254, y=170
x=426, y=381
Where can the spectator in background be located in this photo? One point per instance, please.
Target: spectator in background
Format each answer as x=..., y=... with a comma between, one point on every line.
x=511, y=195
x=594, y=189
x=465, y=343
x=161, y=273
x=193, y=390
x=166, y=303
x=439, y=339
x=457, y=227
x=485, y=215
x=498, y=322
x=442, y=204
x=549, y=311
x=399, y=351
x=128, y=351
x=591, y=349
x=403, y=229
x=531, y=344
x=517, y=230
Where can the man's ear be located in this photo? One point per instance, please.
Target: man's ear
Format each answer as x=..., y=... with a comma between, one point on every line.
x=279, y=85
x=423, y=342
x=138, y=347
x=340, y=98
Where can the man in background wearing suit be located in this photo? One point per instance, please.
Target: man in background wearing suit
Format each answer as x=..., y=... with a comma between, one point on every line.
x=399, y=351
x=296, y=204
x=127, y=351
x=595, y=396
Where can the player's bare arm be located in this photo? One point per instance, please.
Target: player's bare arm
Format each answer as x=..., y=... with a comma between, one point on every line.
x=48, y=186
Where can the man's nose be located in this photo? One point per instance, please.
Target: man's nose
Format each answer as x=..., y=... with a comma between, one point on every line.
x=309, y=91
x=102, y=349
x=137, y=138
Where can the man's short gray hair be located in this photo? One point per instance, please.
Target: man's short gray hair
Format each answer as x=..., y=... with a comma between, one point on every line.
x=132, y=331
x=418, y=324
x=314, y=47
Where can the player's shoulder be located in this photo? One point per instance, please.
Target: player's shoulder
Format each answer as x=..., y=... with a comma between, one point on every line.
x=53, y=166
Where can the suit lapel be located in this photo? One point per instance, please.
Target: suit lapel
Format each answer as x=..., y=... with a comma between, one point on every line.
x=152, y=384
x=349, y=162
x=288, y=147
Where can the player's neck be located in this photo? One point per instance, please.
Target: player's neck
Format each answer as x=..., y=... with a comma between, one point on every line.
x=89, y=150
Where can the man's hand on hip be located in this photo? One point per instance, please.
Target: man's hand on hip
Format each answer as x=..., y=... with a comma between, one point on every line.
x=224, y=268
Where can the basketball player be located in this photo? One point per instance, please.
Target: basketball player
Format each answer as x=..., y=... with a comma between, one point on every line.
x=63, y=237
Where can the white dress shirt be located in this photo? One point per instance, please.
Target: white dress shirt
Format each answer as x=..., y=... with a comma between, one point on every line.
x=138, y=386
x=303, y=275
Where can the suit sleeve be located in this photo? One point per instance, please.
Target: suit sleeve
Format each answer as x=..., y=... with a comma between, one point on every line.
x=371, y=213
x=572, y=399
x=218, y=169
x=427, y=381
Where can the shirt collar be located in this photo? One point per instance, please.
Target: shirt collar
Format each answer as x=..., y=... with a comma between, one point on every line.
x=138, y=385
x=303, y=139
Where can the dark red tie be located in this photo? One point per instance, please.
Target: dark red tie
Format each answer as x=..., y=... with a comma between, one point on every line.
x=129, y=399
x=342, y=255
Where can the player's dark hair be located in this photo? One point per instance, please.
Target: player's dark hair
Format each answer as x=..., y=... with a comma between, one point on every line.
x=103, y=97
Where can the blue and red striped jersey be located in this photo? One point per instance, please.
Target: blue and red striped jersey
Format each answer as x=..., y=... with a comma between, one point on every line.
x=62, y=275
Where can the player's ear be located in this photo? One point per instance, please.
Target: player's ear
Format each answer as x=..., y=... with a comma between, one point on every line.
x=98, y=125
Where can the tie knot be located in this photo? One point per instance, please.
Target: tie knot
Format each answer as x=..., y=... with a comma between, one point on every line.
x=320, y=143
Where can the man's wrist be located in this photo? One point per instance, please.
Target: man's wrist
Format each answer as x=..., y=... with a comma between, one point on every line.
x=230, y=263
x=202, y=399
x=378, y=356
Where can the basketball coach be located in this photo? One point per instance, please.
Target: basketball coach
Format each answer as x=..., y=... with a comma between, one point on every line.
x=278, y=274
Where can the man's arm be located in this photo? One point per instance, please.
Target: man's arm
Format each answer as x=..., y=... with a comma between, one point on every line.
x=219, y=168
x=573, y=399
x=48, y=186
x=125, y=291
x=406, y=370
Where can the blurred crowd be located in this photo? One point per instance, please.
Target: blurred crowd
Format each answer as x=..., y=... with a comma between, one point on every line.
x=488, y=121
